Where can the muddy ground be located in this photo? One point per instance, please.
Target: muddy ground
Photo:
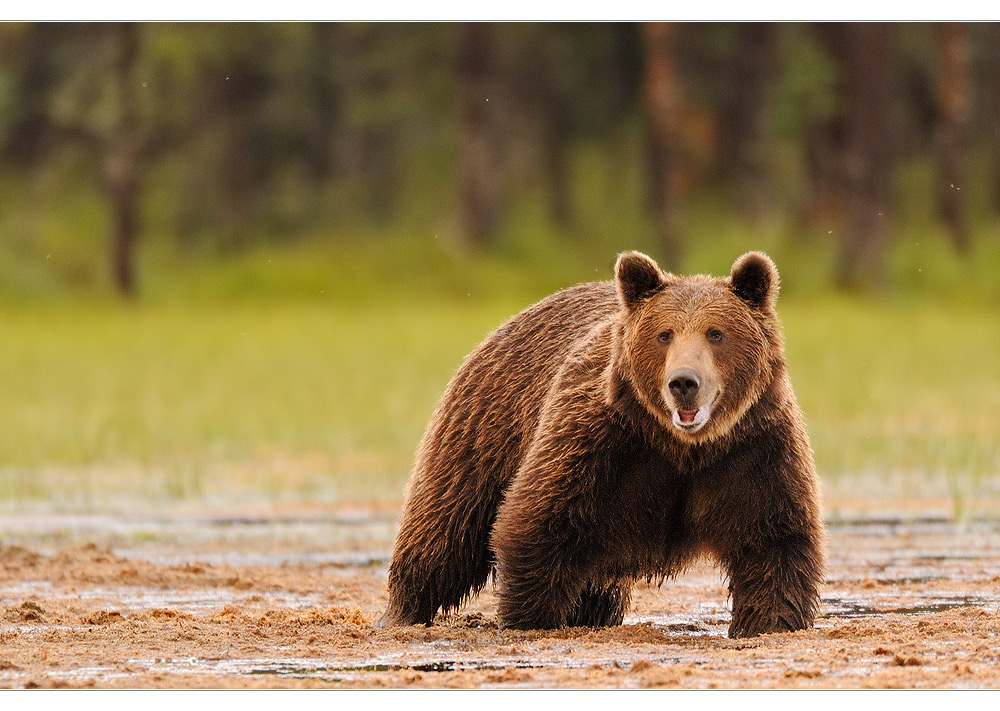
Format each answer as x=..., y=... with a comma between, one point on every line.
x=288, y=600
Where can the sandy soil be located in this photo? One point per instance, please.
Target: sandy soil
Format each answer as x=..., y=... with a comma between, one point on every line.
x=288, y=600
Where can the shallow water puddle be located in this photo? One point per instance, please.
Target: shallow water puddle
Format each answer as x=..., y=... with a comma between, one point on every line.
x=344, y=538
x=193, y=601
x=322, y=669
x=874, y=606
x=712, y=620
x=335, y=559
x=297, y=670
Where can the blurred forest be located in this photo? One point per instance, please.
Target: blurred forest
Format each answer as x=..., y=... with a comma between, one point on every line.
x=123, y=144
x=239, y=262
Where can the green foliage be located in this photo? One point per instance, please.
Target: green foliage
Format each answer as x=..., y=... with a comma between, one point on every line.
x=806, y=87
x=272, y=134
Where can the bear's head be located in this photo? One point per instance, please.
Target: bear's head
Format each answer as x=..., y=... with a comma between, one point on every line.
x=698, y=351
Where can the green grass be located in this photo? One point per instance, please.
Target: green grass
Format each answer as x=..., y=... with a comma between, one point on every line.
x=318, y=400
x=298, y=401
x=900, y=398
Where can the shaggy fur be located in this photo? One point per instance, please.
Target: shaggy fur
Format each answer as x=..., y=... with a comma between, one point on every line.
x=617, y=431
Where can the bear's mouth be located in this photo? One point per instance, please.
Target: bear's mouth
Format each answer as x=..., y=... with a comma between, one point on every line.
x=693, y=419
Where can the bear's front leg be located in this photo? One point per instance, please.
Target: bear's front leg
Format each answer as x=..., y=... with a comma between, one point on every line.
x=774, y=586
x=541, y=557
x=547, y=539
x=535, y=599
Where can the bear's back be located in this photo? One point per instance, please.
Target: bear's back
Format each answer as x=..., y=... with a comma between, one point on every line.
x=492, y=404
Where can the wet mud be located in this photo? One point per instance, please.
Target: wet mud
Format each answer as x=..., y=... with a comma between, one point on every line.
x=290, y=600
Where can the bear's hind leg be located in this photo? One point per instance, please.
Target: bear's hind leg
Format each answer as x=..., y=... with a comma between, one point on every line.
x=410, y=603
x=601, y=606
x=440, y=559
x=423, y=582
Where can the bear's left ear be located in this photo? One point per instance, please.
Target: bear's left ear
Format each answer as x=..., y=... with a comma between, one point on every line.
x=638, y=277
x=754, y=279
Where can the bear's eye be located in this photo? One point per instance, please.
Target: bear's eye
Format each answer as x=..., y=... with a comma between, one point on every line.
x=665, y=337
x=714, y=335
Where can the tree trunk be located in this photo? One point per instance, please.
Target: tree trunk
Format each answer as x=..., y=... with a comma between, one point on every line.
x=988, y=81
x=123, y=161
x=662, y=104
x=556, y=118
x=745, y=147
x=480, y=165
x=953, y=93
x=869, y=156
x=825, y=138
x=325, y=102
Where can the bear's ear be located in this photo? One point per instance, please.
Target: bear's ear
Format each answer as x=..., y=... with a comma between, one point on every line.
x=638, y=278
x=755, y=280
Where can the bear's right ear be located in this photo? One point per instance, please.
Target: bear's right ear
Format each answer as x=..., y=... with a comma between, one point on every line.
x=755, y=280
x=638, y=277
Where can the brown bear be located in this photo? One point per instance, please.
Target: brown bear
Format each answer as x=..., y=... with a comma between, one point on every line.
x=613, y=432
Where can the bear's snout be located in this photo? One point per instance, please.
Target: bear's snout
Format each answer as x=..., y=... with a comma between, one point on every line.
x=690, y=384
x=683, y=385
x=690, y=395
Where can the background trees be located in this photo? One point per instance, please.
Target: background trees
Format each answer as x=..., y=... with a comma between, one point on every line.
x=211, y=139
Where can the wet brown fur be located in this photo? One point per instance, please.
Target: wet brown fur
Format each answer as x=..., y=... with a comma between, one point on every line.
x=552, y=461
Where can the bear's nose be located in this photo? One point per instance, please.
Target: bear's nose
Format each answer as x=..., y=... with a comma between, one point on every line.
x=684, y=383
